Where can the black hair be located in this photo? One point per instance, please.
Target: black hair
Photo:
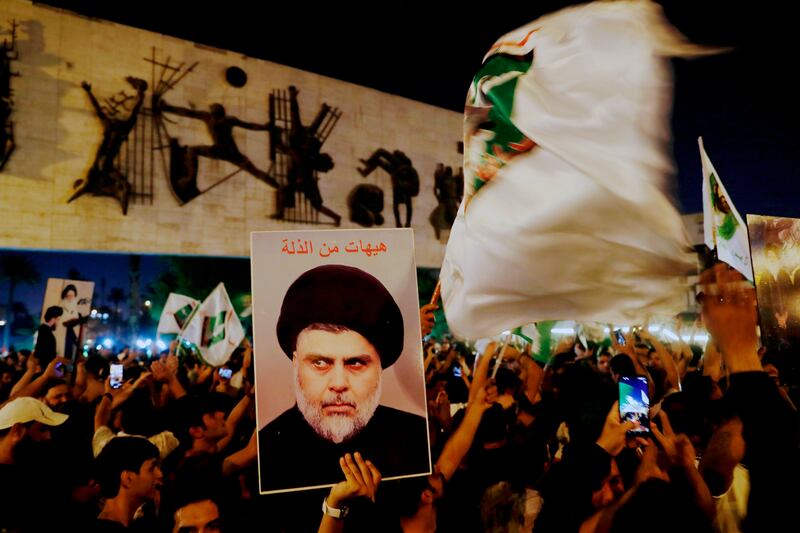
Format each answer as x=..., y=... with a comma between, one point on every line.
x=121, y=454
x=561, y=359
x=139, y=416
x=656, y=493
x=622, y=365
x=403, y=496
x=52, y=383
x=506, y=379
x=52, y=312
x=494, y=425
x=68, y=288
x=188, y=491
x=436, y=379
x=97, y=366
x=193, y=408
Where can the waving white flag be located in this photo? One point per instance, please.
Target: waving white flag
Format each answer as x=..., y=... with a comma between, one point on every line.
x=566, y=165
x=177, y=311
x=215, y=328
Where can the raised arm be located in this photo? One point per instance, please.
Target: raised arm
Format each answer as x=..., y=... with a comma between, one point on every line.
x=250, y=125
x=95, y=104
x=181, y=111
x=460, y=441
x=34, y=388
x=236, y=416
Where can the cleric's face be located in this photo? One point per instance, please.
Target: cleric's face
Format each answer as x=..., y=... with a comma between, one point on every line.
x=337, y=381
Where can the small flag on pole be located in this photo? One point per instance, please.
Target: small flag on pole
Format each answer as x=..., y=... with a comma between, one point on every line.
x=176, y=314
x=723, y=227
x=215, y=328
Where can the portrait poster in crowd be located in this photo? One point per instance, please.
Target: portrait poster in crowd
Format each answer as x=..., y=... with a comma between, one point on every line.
x=338, y=356
x=75, y=300
x=775, y=249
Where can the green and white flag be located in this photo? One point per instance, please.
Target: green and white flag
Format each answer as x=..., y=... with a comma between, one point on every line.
x=176, y=314
x=214, y=328
x=566, y=168
x=723, y=227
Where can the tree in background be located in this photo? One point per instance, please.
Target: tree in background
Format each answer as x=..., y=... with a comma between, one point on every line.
x=197, y=277
x=15, y=269
x=116, y=296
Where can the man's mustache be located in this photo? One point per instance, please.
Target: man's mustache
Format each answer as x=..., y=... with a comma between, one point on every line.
x=338, y=400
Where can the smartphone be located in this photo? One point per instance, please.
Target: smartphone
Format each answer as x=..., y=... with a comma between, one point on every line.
x=457, y=371
x=116, y=376
x=62, y=369
x=620, y=337
x=634, y=403
x=225, y=373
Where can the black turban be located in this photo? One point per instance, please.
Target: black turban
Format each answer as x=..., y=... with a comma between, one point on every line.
x=343, y=296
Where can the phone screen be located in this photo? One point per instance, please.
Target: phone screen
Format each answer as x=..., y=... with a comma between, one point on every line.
x=60, y=370
x=457, y=371
x=620, y=337
x=634, y=403
x=225, y=373
x=116, y=376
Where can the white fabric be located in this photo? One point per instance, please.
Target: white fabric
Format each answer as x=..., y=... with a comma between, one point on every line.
x=204, y=328
x=732, y=506
x=579, y=227
x=165, y=441
x=175, y=302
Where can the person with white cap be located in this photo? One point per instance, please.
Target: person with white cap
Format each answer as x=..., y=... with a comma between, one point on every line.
x=24, y=426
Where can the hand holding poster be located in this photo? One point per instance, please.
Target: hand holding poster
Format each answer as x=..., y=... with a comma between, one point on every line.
x=338, y=356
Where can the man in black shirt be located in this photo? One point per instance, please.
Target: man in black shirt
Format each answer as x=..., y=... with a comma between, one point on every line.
x=129, y=476
x=45, y=349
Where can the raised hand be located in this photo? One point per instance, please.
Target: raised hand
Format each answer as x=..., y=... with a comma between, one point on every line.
x=678, y=448
x=614, y=436
x=361, y=479
x=426, y=318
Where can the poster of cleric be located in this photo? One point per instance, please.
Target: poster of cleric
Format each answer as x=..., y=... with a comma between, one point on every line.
x=338, y=356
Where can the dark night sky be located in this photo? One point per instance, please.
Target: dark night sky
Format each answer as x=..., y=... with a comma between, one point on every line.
x=743, y=103
x=93, y=266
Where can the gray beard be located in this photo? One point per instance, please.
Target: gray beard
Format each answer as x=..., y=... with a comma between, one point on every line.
x=336, y=428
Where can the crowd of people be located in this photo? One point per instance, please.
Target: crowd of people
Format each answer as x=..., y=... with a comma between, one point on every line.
x=517, y=445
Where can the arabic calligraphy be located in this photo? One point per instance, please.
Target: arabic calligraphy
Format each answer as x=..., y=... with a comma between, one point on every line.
x=306, y=247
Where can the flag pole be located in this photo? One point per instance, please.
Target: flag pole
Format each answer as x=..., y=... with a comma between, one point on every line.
x=500, y=357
